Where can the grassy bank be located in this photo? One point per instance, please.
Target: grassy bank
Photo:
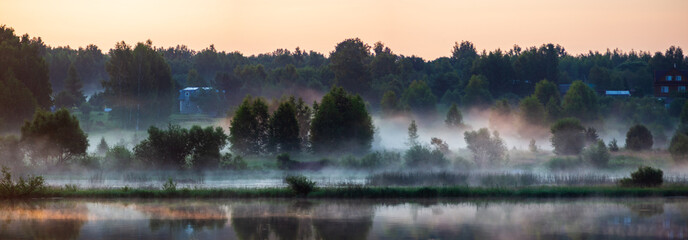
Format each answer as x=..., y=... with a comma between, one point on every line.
x=375, y=192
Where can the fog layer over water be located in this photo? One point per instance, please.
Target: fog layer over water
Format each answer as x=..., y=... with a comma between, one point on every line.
x=344, y=219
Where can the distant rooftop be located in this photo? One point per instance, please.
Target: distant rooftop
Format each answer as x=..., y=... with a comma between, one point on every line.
x=618, y=93
x=196, y=88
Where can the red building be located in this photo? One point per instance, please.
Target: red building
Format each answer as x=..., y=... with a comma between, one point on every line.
x=670, y=83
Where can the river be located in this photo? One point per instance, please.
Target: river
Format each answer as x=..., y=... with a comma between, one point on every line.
x=590, y=218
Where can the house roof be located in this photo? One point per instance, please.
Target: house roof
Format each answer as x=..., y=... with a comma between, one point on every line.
x=196, y=88
x=618, y=93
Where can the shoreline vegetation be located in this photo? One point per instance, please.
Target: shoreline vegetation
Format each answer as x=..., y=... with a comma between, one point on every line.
x=365, y=192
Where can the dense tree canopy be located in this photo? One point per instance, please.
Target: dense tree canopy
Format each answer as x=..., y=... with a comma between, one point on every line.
x=580, y=102
x=341, y=123
x=568, y=136
x=140, y=89
x=54, y=137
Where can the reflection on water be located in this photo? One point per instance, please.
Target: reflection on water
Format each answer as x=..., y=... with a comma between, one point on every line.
x=344, y=219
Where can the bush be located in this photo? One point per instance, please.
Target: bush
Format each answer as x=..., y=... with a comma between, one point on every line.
x=644, y=177
x=22, y=187
x=568, y=136
x=487, y=150
x=119, y=157
x=374, y=160
x=679, y=146
x=597, y=154
x=638, y=138
x=613, y=146
x=284, y=162
x=421, y=156
x=564, y=163
x=232, y=163
x=169, y=186
x=301, y=185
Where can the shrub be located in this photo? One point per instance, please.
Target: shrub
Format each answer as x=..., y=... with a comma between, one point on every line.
x=613, y=146
x=119, y=157
x=374, y=160
x=421, y=156
x=644, y=177
x=169, y=186
x=176, y=147
x=568, y=136
x=300, y=184
x=564, y=163
x=679, y=146
x=638, y=138
x=597, y=154
x=284, y=162
x=487, y=150
x=233, y=163
x=532, y=147
x=22, y=187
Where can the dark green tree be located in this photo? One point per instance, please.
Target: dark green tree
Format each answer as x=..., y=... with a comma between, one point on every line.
x=54, y=137
x=21, y=56
x=17, y=104
x=249, y=128
x=454, y=118
x=638, y=138
x=580, y=102
x=284, y=129
x=341, y=123
x=568, y=136
x=477, y=93
x=546, y=90
x=140, y=89
x=74, y=86
x=532, y=111
x=178, y=147
x=390, y=104
x=350, y=64
x=679, y=146
x=419, y=98
x=194, y=80
x=413, y=134
x=102, y=146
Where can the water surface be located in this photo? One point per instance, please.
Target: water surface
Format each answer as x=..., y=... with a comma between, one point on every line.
x=596, y=218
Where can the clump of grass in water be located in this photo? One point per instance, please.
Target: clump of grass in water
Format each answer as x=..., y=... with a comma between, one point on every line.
x=300, y=184
x=71, y=187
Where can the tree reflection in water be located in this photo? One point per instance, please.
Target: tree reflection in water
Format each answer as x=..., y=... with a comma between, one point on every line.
x=302, y=220
x=42, y=220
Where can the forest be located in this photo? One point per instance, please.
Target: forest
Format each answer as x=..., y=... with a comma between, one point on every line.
x=304, y=110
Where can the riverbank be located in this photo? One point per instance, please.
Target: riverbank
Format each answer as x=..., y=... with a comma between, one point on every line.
x=373, y=192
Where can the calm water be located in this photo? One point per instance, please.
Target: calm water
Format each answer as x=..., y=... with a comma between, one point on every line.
x=656, y=218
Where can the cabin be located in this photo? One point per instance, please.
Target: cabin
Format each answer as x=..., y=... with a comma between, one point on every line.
x=188, y=97
x=670, y=83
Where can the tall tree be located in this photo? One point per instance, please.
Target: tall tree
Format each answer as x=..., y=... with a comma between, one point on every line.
x=477, y=93
x=580, y=102
x=419, y=98
x=74, y=86
x=54, y=137
x=350, y=64
x=454, y=118
x=16, y=103
x=140, y=87
x=341, y=123
x=21, y=56
x=284, y=129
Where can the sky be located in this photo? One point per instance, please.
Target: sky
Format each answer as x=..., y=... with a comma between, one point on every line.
x=425, y=28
